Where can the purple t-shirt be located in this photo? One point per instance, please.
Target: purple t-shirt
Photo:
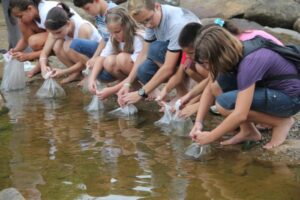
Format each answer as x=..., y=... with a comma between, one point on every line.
x=265, y=63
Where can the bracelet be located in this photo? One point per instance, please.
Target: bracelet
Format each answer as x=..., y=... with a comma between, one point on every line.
x=43, y=58
x=200, y=122
x=128, y=85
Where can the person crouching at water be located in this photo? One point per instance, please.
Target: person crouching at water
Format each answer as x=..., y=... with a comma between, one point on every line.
x=120, y=53
x=274, y=104
x=63, y=26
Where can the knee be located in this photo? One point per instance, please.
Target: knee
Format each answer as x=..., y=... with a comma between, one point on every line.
x=123, y=59
x=109, y=63
x=35, y=44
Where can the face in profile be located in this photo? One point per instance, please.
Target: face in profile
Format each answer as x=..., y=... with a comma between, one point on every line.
x=116, y=31
x=60, y=33
x=26, y=16
x=149, y=18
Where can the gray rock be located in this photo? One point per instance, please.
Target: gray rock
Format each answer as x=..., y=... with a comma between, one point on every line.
x=3, y=108
x=11, y=194
x=274, y=13
x=297, y=25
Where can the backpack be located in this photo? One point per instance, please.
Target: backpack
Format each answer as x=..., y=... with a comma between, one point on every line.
x=289, y=52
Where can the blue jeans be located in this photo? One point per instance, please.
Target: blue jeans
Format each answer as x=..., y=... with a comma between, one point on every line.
x=88, y=48
x=156, y=53
x=265, y=100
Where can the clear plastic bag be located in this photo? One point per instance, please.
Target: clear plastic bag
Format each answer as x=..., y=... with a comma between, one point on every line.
x=166, y=119
x=198, y=152
x=181, y=126
x=14, y=75
x=95, y=105
x=50, y=88
x=126, y=111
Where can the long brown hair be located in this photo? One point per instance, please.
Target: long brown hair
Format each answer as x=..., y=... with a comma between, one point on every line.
x=220, y=48
x=130, y=28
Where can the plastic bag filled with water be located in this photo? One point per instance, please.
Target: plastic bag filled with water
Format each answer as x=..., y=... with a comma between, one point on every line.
x=50, y=88
x=95, y=105
x=166, y=119
x=14, y=75
x=181, y=126
x=126, y=111
x=197, y=151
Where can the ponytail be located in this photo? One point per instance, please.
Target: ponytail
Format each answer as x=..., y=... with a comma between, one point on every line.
x=58, y=16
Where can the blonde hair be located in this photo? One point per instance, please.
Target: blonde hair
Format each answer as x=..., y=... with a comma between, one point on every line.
x=130, y=28
x=220, y=48
x=135, y=6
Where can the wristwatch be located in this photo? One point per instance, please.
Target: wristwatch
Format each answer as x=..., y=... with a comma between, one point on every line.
x=142, y=93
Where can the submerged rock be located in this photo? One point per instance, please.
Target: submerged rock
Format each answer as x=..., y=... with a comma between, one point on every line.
x=11, y=194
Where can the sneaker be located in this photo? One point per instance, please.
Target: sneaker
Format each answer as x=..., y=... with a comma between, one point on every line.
x=213, y=110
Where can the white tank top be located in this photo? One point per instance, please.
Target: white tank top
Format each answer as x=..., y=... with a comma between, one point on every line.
x=78, y=22
x=43, y=8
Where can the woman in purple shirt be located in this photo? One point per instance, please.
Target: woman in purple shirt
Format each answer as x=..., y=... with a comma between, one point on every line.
x=253, y=100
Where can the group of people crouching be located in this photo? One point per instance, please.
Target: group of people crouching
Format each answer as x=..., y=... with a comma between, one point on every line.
x=148, y=44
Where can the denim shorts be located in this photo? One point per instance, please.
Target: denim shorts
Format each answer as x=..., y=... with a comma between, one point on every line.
x=156, y=53
x=269, y=101
x=84, y=46
x=105, y=76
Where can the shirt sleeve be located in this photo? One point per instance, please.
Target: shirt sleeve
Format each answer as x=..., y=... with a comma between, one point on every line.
x=173, y=38
x=149, y=35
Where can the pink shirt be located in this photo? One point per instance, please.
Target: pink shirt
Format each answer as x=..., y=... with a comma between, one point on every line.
x=250, y=34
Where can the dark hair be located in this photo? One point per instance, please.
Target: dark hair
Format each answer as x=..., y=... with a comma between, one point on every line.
x=188, y=34
x=58, y=16
x=22, y=5
x=230, y=26
x=81, y=3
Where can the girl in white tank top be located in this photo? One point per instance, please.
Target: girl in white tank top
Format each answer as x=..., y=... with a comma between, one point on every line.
x=31, y=15
x=63, y=26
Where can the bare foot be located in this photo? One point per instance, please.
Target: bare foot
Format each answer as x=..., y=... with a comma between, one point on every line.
x=249, y=133
x=72, y=77
x=280, y=133
x=34, y=71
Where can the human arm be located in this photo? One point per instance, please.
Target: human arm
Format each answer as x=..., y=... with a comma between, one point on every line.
x=196, y=90
x=164, y=72
x=46, y=52
x=95, y=71
x=233, y=120
x=176, y=79
x=90, y=63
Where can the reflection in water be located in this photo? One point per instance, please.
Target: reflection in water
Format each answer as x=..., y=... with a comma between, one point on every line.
x=59, y=151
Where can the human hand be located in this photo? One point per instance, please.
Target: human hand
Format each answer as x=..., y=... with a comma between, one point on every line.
x=198, y=126
x=203, y=137
x=132, y=98
x=188, y=111
x=162, y=95
x=90, y=63
x=92, y=86
x=104, y=93
x=58, y=73
x=20, y=56
x=121, y=95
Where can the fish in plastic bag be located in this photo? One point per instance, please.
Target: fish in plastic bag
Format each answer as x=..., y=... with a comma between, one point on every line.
x=197, y=151
x=126, y=111
x=14, y=75
x=50, y=88
x=181, y=126
x=166, y=119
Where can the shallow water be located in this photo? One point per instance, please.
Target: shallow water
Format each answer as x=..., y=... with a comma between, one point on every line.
x=53, y=149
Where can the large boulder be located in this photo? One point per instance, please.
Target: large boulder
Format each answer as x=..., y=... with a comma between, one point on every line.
x=274, y=13
x=218, y=8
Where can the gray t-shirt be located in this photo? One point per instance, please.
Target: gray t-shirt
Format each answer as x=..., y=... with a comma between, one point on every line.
x=265, y=63
x=172, y=22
